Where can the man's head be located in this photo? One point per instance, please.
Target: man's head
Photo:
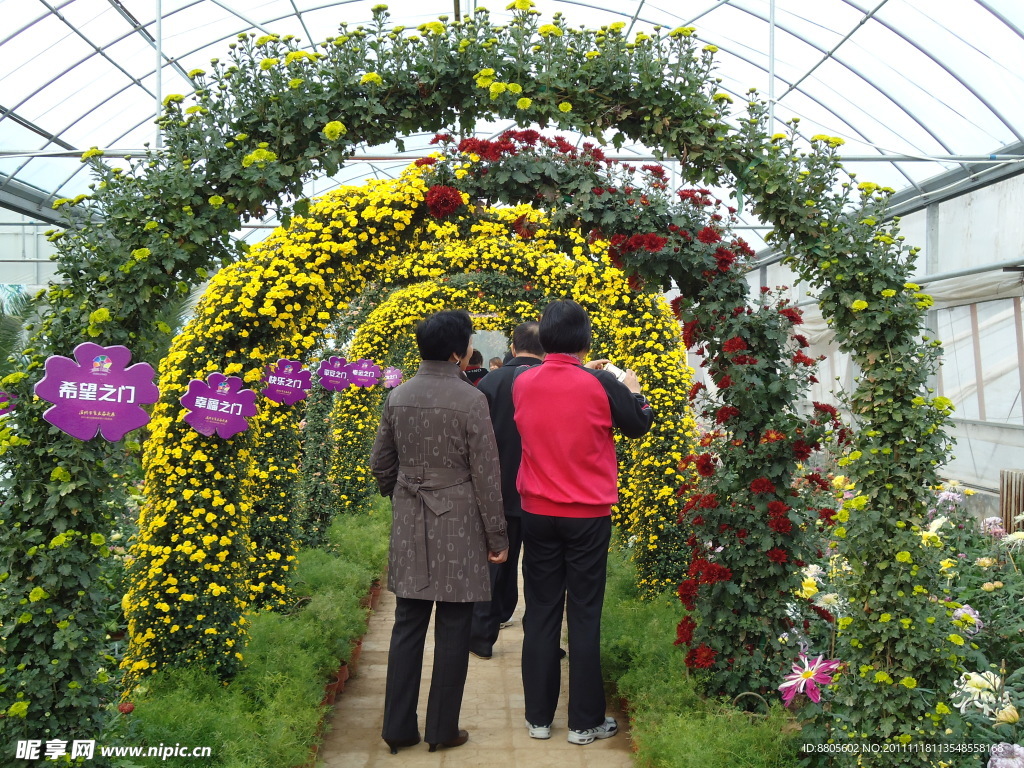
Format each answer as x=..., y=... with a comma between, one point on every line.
x=444, y=335
x=476, y=358
x=526, y=339
x=564, y=327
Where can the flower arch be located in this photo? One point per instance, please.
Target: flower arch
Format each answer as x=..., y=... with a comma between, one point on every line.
x=198, y=567
x=273, y=114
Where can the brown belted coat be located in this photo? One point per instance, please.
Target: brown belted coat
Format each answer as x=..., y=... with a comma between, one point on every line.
x=436, y=456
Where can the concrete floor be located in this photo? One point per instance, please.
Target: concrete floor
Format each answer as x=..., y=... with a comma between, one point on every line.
x=492, y=712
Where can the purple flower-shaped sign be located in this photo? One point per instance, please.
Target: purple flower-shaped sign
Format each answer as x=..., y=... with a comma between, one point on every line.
x=334, y=374
x=98, y=393
x=287, y=382
x=219, y=405
x=392, y=377
x=364, y=373
x=6, y=402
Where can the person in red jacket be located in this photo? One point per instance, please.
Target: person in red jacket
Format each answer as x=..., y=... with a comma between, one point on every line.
x=568, y=480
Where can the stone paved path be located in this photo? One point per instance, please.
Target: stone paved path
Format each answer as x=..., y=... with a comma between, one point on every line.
x=492, y=712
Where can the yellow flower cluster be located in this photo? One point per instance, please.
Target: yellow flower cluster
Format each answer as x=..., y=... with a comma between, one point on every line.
x=215, y=534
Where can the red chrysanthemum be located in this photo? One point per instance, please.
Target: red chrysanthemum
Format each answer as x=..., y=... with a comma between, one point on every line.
x=125, y=707
x=801, y=340
x=777, y=555
x=794, y=315
x=701, y=657
x=421, y=161
x=803, y=359
x=801, y=450
x=725, y=413
x=777, y=508
x=827, y=515
x=725, y=382
x=825, y=408
x=709, y=501
x=442, y=201
x=706, y=572
x=780, y=524
x=687, y=591
x=772, y=436
x=709, y=235
x=762, y=485
x=695, y=390
x=706, y=465
x=735, y=344
x=684, y=631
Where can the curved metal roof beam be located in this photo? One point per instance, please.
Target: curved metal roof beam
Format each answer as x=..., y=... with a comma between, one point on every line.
x=302, y=21
x=985, y=4
x=948, y=71
x=864, y=20
x=720, y=3
x=808, y=42
x=140, y=28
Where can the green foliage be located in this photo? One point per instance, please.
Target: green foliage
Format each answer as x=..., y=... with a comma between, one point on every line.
x=672, y=724
x=268, y=715
x=315, y=493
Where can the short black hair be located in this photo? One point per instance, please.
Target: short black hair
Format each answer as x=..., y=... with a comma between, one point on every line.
x=564, y=327
x=440, y=334
x=476, y=358
x=526, y=338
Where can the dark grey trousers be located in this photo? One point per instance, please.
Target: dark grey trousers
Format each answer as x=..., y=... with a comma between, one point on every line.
x=405, y=667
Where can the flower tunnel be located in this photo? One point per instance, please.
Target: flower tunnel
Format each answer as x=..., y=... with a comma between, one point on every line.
x=217, y=534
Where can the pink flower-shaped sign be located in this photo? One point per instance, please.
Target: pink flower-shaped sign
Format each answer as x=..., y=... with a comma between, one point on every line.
x=6, y=402
x=287, y=382
x=334, y=374
x=100, y=393
x=219, y=405
x=392, y=377
x=364, y=373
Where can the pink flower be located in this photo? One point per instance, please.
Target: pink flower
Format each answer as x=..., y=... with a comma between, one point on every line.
x=806, y=676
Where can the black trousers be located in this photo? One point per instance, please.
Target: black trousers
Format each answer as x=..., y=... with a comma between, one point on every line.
x=487, y=616
x=565, y=562
x=405, y=667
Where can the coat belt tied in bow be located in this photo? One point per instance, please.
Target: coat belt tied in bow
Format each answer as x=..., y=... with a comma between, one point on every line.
x=420, y=482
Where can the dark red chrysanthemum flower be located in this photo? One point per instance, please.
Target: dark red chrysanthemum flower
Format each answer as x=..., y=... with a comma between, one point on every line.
x=826, y=615
x=777, y=508
x=709, y=501
x=794, y=315
x=701, y=657
x=735, y=344
x=725, y=413
x=709, y=235
x=801, y=450
x=687, y=592
x=695, y=390
x=443, y=201
x=725, y=382
x=421, y=161
x=827, y=515
x=762, y=485
x=684, y=631
x=780, y=524
x=706, y=465
x=801, y=340
x=777, y=555
x=441, y=138
x=825, y=408
x=125, y=707
x=803, y=359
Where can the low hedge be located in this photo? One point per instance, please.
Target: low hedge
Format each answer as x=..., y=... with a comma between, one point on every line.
x=672, y=724
x=269, y=715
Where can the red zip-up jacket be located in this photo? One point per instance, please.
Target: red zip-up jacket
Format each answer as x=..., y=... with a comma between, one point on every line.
x=565, y=414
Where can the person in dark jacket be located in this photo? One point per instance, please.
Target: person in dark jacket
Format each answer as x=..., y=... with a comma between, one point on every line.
x=568, y=482
x=435, y=455
x=475, y=371
x=497, y=386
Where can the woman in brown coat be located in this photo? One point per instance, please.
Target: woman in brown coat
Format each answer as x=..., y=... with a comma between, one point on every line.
x=435, y=455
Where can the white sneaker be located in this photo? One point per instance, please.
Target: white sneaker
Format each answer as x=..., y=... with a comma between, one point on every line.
x=604, y=731
x=539, y=731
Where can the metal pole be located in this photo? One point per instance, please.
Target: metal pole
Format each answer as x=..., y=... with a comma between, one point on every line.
x=771, y=68
x=159, y=69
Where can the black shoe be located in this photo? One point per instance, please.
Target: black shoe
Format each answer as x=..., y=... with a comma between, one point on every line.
x=561, y=653
x=458, y=741
x=397, y=744
x=480, y=655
